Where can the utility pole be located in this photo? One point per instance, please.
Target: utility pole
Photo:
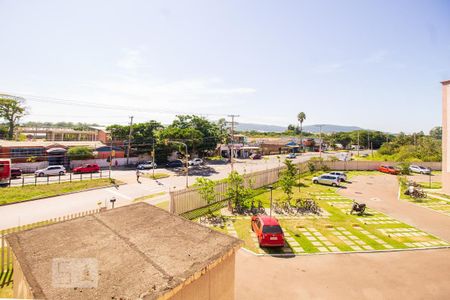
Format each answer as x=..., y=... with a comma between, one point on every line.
x=153, y=156
x=358, y=143
x=232, y=139
x=129, y=139
x=368, y=141
x=320, y=138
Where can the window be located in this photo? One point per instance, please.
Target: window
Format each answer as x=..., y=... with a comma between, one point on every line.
x=26, y=152
x=272, y=229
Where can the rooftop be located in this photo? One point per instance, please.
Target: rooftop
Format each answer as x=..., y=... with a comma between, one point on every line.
x=142, y=252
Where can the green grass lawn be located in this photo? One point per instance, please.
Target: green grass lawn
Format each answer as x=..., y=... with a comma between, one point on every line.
x=157, y=175
x=30, y=192
x=434, y=185
x=147, y=197
x=164, y=205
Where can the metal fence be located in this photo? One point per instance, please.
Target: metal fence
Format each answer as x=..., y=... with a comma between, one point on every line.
x=187, y=200
x=6, y=255
x=68, y=177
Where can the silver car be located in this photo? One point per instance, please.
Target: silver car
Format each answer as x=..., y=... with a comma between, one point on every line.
x=419, y=169
x=342, y=176
x=51, y=170
x=327, y=179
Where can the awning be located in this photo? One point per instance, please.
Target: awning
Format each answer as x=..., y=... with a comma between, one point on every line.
x=56, y=150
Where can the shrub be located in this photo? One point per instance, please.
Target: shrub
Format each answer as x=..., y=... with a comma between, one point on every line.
x=80, y=153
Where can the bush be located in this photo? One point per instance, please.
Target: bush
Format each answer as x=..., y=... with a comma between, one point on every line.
x=80, y=153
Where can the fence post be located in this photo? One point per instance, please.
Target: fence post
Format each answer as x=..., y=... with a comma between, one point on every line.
x=35, y=180
x=23, y=181
x=59, y=178
x=81, y=176
x=101, y=172
x=48, y=179
x=91, y=175
x=70, y=177
x=2, y=254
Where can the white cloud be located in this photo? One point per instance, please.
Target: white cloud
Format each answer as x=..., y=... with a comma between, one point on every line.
x=131, y=60
x=376, y=57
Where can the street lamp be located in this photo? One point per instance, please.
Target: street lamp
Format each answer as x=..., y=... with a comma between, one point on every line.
x=271, y=190
x=187, y=161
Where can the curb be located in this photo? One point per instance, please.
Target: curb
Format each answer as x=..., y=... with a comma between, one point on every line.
x=64, y=194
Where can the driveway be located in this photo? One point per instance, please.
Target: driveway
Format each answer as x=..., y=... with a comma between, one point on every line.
x=422, y=274
x=380, y=192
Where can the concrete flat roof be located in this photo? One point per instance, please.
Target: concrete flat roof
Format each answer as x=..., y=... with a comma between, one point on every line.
x=142, y=252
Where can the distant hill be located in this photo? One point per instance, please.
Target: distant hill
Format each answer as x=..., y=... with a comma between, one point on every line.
x=326, y=128
x=329, y=128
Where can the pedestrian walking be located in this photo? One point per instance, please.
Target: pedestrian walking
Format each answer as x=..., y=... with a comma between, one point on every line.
x=138, y=174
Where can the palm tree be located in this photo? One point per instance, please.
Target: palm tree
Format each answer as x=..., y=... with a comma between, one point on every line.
x=301, y=117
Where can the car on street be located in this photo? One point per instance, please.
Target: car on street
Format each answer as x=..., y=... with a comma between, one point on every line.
x=327, y=179
x=196, y=162
x=174, y=164
x=291, y=156
x=342, y=176
x=268, y=231
x=389, y=170
x=146, y=165
x=51, y=171
x=88, y=168
x=414, y=169
x=16, y=173
x=256, y=156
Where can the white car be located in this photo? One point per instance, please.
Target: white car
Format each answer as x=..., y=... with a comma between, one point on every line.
x=291, y=156
x=342, y=176
x=419, y=169
x=147, y=165
x=196, y=162
x=51, y=170
x=327, y=179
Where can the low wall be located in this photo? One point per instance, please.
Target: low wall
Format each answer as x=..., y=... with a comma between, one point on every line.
x=31, y=167
x=103, y=163
x=356, y=165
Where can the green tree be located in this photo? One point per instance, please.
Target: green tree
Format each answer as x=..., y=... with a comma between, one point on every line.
x=236, y=190
x=287, y=179
x=12, y=109
x=207, y=190
x=436, y=132
x=80, y=153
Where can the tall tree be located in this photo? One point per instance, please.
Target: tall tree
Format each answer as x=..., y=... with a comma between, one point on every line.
x=301, y=117
x=12, y=109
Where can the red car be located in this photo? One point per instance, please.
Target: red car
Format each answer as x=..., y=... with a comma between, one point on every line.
x=92, y=168
x=388, y=170
x=268, y=231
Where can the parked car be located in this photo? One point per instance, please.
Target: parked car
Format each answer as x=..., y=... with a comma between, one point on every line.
x=196, y=162
x=327, y=179
x=51, y=170
x=389, y=170
x=412, y=168
x=146, y=165
x=291, y=156
x=16, y=173
x=90, y=168
x=342, y=176
x=174, y=164
x=256, y=156
x=268, y=231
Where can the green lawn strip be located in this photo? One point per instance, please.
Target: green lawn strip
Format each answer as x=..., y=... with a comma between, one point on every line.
x=164, y=205
x=196, y=213
x=147, y=197
x=434, y=185
x=156, y=176
x=28, y=192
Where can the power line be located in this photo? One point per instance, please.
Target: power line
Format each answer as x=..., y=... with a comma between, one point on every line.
x=71, y=102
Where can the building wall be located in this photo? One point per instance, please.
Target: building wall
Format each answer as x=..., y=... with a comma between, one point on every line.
x=215, y=284
x=446, y=137
x=21, y=289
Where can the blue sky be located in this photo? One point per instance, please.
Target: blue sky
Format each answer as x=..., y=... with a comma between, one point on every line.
x=374, y=64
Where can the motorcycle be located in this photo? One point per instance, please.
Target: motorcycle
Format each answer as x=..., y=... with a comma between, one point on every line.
x=359, y=208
